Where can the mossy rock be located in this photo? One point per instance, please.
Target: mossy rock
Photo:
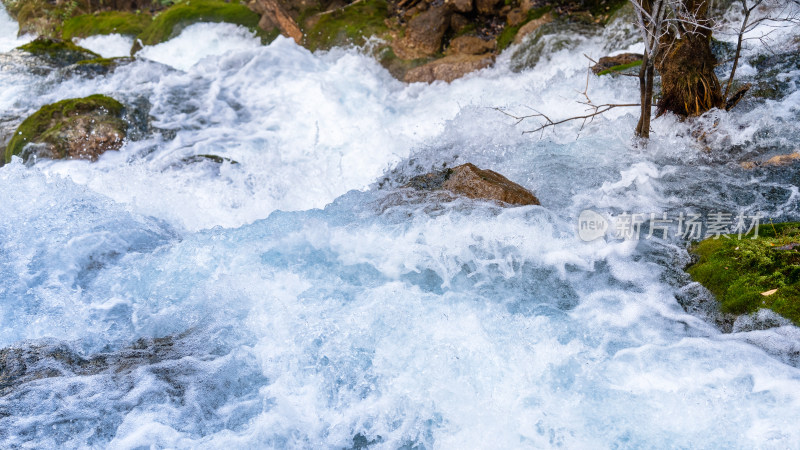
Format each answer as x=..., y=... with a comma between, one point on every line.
x=396, y=66
x=58, y=52
x=738, y=271
x=109, y=22
x=170, y=22
x=621, y=68
x=79, y=128
x=351, y=25
x=44, y=17
x=508, y=34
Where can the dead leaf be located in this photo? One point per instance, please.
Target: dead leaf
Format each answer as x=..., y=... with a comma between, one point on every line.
x=769, y=292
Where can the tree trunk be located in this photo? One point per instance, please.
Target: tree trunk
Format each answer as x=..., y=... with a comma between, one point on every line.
x=686, y=65
x=646, y=94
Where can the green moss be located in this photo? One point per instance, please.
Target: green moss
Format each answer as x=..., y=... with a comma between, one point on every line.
x=737, y=271
x=171, y=21
x=44, y=125
x=352, y=24
x=509, y=33
x=58, y=51
x=109, y=22
x=396, y=66
x=105, y=62
x=621, y=67
x=44, y=17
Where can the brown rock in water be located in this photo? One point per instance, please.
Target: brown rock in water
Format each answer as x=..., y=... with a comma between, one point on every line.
x=607, y=62
x=487, y=6
x=470, y=181
x=424, y=34
x=779, y=160
x=532, y=26
x=448, y=68
x=471, y=45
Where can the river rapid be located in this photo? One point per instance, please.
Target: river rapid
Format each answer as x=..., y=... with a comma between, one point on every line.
x=316, y=304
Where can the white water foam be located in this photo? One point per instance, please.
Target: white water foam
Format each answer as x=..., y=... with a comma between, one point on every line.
x=108, y=45
x=397, y=323
x=200, y=41
x=9, y=29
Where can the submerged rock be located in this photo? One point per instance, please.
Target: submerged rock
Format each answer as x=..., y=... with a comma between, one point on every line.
x=81, y=128
x=57, y=52
x=779, y=160
x=470, y=181
x=91, y=68
x=776, y=75
x=26, y=362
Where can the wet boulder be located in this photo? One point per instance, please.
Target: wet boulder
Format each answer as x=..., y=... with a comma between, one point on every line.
x=81, y=128
x=449, y=68
x=469, y=181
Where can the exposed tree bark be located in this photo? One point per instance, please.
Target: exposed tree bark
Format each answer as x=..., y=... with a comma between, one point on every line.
x=646, y=75
x=686, y=64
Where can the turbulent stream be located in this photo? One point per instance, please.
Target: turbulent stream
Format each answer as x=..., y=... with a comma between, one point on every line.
x=311, y=302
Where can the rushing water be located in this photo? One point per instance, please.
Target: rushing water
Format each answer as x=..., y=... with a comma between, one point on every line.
x=314, y=307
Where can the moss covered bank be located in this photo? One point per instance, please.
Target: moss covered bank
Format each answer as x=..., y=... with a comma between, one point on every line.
x=747, y=274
